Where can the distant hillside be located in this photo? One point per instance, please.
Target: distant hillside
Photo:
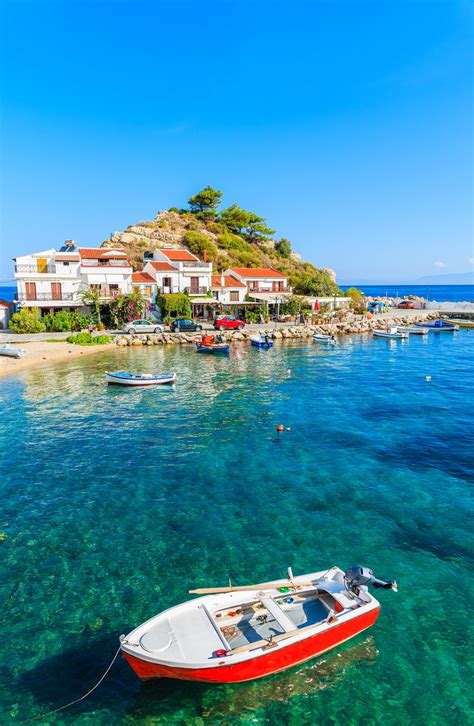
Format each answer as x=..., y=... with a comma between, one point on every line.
x=454, y=278
x=233, y=237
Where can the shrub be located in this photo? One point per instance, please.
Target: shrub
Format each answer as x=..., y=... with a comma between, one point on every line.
x=78, y=320
x=64, y=320
x=199, y=244
x=175, y=305
x=88, y=339
x=27, y=321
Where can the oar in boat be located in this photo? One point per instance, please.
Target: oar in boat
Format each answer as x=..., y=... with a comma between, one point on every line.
x=261, y=586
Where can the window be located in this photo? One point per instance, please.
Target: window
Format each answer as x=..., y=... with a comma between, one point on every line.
x=234, y=296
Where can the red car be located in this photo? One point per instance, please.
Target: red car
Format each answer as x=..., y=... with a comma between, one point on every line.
x=406, y=305
x=228, y=322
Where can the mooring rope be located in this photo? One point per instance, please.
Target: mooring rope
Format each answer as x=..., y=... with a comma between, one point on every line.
x=71, y=703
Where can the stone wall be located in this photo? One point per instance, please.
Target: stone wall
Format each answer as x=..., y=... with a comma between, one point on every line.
x=356, y=325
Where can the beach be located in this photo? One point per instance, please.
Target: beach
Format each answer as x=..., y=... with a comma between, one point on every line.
x=42, y=353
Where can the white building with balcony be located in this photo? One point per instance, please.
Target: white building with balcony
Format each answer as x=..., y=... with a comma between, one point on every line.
x=48, y=279
x=178, y=270
x=264, y=284
x=105, y=270
x=228, y=290
x=53, y=280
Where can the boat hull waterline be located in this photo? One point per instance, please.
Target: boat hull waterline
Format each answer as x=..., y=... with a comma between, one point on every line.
x=242, y=635
x=121, y=378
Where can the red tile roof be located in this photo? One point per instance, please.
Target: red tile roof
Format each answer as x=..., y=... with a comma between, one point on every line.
x=162, y=266
x=179, y=255
x=103, y=253
x=66, y=257
x=142, y=277
x=252, y=272
x=229, y=281
x=5, y=303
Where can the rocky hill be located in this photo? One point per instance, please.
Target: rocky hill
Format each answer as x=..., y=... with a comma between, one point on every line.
x=225, y=239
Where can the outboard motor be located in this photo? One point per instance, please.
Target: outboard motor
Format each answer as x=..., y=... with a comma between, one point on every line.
x=358, y=577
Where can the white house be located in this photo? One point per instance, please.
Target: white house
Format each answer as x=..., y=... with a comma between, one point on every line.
x=147, y=285
x=48, y=279
x=6, y=311
x=227, y=289
x=180, y=270
x=105, y=270
x=53, y=280
x=263, y=280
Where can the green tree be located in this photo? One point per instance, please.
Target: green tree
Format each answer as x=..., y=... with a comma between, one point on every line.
x=205, y=202
x=355, y=295
x=256, y=229
x=91, y=297
x=316, y=283
x=294, y=304
x=27, y=321
x=126, y=308
x=283, y=247
x=235, y=218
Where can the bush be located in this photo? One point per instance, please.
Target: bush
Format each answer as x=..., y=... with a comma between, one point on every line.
x=175, y=305
x=64, y=320
x=27, y=321
x=88, y=339
x=199, y=244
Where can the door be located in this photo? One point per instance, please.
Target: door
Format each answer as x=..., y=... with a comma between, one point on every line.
x=194, y=285
x=42, y=264
x=30, y=289
x=56, y=291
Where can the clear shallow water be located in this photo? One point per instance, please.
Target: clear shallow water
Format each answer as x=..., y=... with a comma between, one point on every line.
x=116, y=502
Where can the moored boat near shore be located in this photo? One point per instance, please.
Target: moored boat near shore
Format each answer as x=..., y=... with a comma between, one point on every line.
x=394, y=333
x=211, y=344
x=11, y=352
x=321, y=338
x=261, y=341
x=439, y=326
x=125, y=378
x=231, y=635
x=414, y=330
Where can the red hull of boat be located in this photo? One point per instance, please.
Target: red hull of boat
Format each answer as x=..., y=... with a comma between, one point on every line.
x=272, y=662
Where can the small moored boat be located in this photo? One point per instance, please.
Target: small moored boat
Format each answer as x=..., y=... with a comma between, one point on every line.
x=211, y=344
x=11, y=351
x=439, y=326
x=261, y=341
x=392, y=333
x=234, y=634
x=415, y=331
x=321, y=338
x=125, y=378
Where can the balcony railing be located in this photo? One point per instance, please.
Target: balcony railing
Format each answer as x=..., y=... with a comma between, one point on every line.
x=167, y=289
x=269, y=290
x=198, y=290
x=42, y=270
x=45, y=297
x=202, y=265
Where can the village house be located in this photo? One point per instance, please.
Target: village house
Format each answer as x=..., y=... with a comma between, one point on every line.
x=228, y=290
x=178, y=270
x=54, y=280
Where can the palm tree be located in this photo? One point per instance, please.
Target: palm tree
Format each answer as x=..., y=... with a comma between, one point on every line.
x=89, y=296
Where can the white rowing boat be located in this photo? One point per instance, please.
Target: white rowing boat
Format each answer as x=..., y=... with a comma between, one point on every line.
x=125, y=378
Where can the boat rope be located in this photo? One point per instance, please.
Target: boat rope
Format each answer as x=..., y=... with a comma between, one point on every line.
x=71, y=703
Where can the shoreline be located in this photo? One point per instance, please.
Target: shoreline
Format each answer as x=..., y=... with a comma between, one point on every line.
x=42, y=353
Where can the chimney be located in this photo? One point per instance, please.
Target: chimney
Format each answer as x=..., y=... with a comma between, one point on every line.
x=70, y=243
x=204, y=257
x=222, y=280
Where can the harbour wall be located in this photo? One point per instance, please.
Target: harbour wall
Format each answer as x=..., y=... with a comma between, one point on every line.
x=355, y=325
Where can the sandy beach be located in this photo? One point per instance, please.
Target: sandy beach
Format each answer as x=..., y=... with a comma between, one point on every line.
x=42, y=353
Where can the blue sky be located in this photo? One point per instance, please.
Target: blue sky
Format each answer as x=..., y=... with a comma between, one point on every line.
x=347, y=124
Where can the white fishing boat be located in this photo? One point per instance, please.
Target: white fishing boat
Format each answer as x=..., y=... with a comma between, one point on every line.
x=321, y=338
x=261, y=341
x=11, y=351
x=414, y=330
x=125, y=378
x=234, y=634
x=394, y=332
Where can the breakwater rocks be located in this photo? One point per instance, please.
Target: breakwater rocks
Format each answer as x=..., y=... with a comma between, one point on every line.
x=354, y=325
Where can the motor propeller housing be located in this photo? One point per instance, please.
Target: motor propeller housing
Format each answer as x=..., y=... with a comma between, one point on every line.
x=356, y=577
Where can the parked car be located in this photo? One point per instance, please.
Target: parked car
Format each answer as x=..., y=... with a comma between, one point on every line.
x=406, y=305
x=228, y=322
x=184, y=324
x=143, y=326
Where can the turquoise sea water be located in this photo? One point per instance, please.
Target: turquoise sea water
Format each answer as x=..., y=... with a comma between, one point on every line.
x=117, y=501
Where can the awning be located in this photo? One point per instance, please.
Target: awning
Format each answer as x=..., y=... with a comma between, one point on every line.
x=270, y=297
x=203, y=301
